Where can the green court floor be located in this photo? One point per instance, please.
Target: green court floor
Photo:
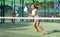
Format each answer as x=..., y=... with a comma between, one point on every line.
x=26, y=29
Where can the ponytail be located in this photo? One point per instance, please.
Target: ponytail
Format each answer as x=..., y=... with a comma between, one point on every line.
x=36, y=6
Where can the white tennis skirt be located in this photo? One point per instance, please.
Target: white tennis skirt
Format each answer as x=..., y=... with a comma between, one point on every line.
x=37, y=18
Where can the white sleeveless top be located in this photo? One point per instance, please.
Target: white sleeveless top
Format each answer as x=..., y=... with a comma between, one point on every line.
x=35, y=11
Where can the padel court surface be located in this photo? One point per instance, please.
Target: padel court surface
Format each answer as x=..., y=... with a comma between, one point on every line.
x=26, y=29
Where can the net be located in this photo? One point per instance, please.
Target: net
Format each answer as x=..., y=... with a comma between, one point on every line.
x=29, y=19
x=42, y=18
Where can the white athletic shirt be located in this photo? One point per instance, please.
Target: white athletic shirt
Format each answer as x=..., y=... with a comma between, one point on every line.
x=35, y=11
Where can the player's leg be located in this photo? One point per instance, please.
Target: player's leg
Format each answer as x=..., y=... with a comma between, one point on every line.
x=35, y=25
x=13, y=21
x=39, y=26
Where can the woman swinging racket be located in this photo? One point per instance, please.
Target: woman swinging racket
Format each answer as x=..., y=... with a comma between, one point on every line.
x=36, y=21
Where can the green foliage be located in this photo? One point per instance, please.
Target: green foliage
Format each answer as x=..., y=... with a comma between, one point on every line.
x=36, y=2
x=47, y=5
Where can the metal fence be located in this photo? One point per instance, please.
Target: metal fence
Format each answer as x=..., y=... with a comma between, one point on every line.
x=49, y=8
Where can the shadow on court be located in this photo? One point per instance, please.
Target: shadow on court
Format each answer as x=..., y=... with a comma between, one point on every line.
x=54, y=31
x=25, y=35
x=12, y=34
x=16, y=26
